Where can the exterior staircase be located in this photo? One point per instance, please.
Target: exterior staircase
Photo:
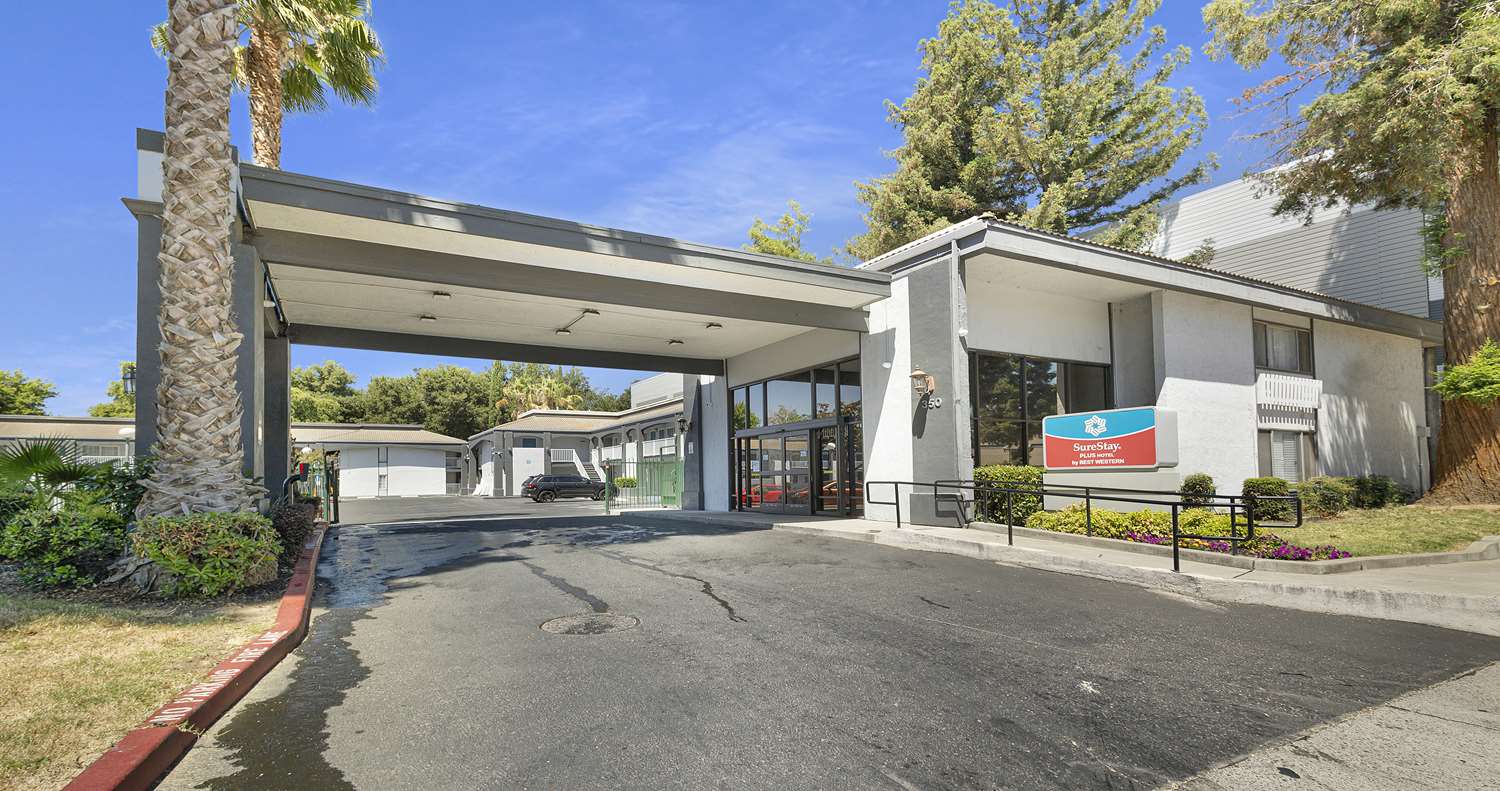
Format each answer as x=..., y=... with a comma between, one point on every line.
x=592, y=471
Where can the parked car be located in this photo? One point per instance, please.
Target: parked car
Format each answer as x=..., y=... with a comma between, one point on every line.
x=546, y=488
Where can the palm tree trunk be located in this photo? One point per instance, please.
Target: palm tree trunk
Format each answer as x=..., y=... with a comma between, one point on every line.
x=1468, y=463
x=263, y=62
x=199, y=453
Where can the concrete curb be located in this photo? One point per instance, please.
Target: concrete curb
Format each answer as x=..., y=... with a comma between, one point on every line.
x=1479, y=614
x=1487, y=548
x=147, y=753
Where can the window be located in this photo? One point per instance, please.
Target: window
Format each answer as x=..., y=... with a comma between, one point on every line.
x=788, y=400
x=849, y=395
x=757, y=401
x=453, y=471
x=824, y=398
x=1284, y=455
x=1282, y=348
x=99, y=452
x=1013, y=393
x=610, y=440
x=529, y=442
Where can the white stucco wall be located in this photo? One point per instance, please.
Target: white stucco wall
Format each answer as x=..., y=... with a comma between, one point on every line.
x=524, y=463
x=1372, y=416
x=1205, y=362
x=713, y=415
x=487, y=484
x=887, y=399
x=410, y=471
x=1005, y=316
x=655, y=389
x=799, y=351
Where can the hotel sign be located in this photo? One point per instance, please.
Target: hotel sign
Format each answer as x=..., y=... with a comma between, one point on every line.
x=1137, y=438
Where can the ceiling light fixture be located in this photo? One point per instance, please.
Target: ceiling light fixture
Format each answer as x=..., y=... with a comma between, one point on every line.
x=673, y=342
x=441, y=296
x=567, y=329
x=427, y=317
x=268, y=303
x=713, y=325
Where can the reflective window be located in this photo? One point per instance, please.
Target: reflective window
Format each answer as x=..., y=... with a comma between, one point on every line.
x=757, y=399
x=823, y=394
x=1013, y=393
x=788, y=400
x=849, y=392
x=1281, y=348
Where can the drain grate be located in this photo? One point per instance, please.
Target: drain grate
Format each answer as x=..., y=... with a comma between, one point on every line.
x=590, y=623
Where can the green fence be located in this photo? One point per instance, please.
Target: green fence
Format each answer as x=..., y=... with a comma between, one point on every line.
x=648, y=483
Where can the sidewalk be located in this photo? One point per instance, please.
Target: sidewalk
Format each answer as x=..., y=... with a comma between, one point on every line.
x=1445, y=736
x=1462, y=596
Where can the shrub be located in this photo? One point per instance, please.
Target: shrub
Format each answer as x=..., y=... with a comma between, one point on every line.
x=1269, y=510
x=118, y=485
x=210, y=554
x=71, y=545
x=991, y=506
x=293, y=523
x=1131, y=526
x=1326, y=496
x=1198, y=490
x=1378, y=491
x=626, y=482
x=12, y=503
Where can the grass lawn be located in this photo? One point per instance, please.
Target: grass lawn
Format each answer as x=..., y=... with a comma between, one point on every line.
x=75, y=676
x=1401, y=530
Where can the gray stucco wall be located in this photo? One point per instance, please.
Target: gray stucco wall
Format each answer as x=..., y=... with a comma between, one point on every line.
x=1133, y=344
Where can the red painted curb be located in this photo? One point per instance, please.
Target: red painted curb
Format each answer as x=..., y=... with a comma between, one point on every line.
x=147, y=753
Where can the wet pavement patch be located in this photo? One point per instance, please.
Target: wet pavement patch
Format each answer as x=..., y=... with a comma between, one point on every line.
x=590, y=623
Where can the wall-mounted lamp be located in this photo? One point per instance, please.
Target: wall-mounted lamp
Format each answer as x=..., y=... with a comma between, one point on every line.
x=127, y=379
x=683, y=424
x=922, y=383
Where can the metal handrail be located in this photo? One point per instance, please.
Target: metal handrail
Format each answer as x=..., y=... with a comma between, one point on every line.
x=1234, y=502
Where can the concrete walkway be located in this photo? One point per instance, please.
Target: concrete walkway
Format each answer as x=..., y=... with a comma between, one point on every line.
x=1444, y=737
x=1456, y=595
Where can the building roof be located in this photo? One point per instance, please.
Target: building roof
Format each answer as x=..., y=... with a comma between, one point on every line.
x=368, y=434
x=988, y=233
x=110, y=428
x=582, y=422
x=85, y=428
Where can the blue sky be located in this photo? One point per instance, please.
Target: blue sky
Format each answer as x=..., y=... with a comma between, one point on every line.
x=676, y=118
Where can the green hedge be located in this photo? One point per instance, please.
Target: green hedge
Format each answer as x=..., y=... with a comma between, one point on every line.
x=68, y=546
x=1117, y=524
x=991, y=507
x=1269, y=510
x=210, y=554
x=1198, y=490
x=626, y=482
x=293, y=523
x=1325, y=497
x=1378, y=491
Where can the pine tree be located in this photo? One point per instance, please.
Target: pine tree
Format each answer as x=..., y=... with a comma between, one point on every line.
x=1034, y=113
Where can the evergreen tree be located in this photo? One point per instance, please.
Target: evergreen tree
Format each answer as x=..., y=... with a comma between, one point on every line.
x=1407, y=114
x=23, y=395
x=1034, y=113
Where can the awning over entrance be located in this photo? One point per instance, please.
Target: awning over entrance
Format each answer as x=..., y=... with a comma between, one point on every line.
x=363, y=267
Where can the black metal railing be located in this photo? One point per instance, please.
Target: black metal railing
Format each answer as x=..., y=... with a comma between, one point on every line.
x=1237, y=505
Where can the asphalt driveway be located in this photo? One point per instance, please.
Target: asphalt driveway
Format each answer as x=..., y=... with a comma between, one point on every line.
x=765, y=659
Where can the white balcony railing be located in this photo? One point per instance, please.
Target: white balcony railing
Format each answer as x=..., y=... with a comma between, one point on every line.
x=564, y=455
x=612, y=453
x=662, y=446
x=1288, y=392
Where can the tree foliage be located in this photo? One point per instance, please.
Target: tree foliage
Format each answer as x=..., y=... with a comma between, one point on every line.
x=1035, y=113
x=120, y=403
x=784, y=238
x=294, y=53
x=1406, y=114
x=24, y=395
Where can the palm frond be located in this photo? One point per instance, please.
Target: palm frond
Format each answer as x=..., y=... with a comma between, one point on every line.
x=27, y=458
x=348, y=51
x=160, y=39
x=302, y=88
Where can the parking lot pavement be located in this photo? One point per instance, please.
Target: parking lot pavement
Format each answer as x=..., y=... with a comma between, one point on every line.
x=691, y=656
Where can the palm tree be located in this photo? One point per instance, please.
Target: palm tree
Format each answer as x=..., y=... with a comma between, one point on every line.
x=200, y=456
x=297, y=51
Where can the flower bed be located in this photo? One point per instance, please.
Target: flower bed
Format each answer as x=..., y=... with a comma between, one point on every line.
x=1155, y=527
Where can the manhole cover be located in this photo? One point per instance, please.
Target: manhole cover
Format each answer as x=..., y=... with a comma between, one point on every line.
x=590, y=623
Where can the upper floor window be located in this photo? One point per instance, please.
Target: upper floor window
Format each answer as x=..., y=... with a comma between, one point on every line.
x=1282, y=348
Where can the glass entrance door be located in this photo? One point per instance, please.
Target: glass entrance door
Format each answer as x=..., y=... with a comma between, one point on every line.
x=776, y=474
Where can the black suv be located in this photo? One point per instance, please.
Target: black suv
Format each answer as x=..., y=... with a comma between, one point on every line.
x=546, y=488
